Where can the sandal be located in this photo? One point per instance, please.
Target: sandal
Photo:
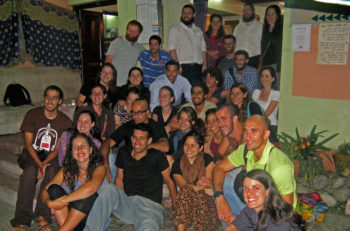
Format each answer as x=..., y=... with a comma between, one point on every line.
x=19, y=228
x=43, y=224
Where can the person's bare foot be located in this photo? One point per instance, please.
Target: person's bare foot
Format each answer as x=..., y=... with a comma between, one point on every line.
x=43, y=224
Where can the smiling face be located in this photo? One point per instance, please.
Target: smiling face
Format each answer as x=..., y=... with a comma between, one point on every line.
x=131, y=98
x=215, y=23
x=266, y=78
x=164, y=98
x=248, y=14
x=237, y=96
x=97, y=96
x=229, y=45
x=52, y=100
x=240, y=62
x=271, y=16
x=106, y=75
x=225, y=121
x=135, y=78
x=198, y=96
x=255, y=134
x=81, y=150
x=192, y=148
x=132, y=33
x=140, y=141
x=139, y=111
x=254, y=194
x=187, y=16
x=212, y=123
x=84, y=123
x=171, y=73
x=184, y=121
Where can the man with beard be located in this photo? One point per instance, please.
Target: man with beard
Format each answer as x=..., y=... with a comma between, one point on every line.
x=241, y=73
x=228, y=60
x=153, y=61
x=248, y=34
x=124, y=52
x=200, y=103
x=187, y=46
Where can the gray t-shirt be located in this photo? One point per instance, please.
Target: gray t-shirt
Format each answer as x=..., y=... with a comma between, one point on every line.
x=125, y=57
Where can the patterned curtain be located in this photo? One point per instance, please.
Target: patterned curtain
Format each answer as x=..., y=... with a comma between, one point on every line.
x=201, y=7
x=50, y=34
x=9, y=32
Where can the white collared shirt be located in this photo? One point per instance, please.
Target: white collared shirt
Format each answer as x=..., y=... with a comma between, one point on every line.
x=248, y=38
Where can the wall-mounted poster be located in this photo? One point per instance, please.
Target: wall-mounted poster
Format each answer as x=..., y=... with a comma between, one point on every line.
x=147, y=15
x=301, y=37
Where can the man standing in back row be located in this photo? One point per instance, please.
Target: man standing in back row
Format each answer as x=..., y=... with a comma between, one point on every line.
x=187, y=46
x=248, y=34
x=124, y=52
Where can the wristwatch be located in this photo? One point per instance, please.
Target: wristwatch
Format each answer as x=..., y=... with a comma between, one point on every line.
x=217, y=194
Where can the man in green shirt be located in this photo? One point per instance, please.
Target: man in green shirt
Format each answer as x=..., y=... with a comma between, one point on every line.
x=261, y=155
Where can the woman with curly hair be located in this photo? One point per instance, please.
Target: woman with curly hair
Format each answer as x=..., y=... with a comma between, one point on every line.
x=194, y=205
x=82, y=175
x=266, y=210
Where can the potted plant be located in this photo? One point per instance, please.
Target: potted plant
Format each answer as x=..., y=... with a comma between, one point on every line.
x=306, y=150
x=342, y=158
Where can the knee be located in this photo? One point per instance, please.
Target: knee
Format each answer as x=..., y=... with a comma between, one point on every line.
x=55, y=191
x=30, y=173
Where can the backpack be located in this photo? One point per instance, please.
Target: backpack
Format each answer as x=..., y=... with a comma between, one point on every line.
x=17, y=95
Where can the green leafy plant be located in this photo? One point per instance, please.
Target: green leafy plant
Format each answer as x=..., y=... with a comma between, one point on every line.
x=344, y=149
x=306, y=150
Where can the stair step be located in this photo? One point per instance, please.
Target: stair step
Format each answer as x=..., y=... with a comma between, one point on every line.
x=8, y=163
x=13, y=143
x=8, y=189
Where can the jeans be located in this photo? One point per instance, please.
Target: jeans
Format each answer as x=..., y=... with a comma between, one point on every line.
x=112, y=167
x=144, y=214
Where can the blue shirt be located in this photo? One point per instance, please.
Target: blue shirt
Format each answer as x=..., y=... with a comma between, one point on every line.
x=249, y=78
x=180, y=86
x=152, y=68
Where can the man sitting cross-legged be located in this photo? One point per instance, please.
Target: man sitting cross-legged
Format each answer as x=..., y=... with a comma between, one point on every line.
x=136, y=197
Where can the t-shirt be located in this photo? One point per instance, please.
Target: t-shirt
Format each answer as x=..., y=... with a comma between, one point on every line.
x=248, y=219
x=143, y=177
x=125, y=132
x=274, y=96
x=175, y=169
x=158, y=111
x=46, y=132
x=275, y=162
x=125, y=57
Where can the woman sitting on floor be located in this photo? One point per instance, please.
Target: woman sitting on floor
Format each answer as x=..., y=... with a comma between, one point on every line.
x=194, y=205
x=214, y=136
x=85, y=124
x=266, y=210
x=83, y=173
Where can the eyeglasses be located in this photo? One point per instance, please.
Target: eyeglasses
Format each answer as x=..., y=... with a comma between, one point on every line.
x=138, y=113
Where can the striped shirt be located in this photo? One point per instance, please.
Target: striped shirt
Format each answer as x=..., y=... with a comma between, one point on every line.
x=152, y=68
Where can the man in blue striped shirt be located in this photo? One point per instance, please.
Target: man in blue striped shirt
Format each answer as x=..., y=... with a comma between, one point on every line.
x=153, y=60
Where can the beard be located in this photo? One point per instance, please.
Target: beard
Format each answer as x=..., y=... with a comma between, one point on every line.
x=131, y=39
x=248, y=18
x=187, y=23
x=242, y=68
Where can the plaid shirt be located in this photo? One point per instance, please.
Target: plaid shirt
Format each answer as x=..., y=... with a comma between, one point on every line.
x=249, y=78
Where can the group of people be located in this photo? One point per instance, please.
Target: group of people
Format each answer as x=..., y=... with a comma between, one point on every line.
x=194, y=118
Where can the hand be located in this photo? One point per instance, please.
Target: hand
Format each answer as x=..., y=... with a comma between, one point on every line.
x=208, y=191
x=41, y=169
x=57, y=204
x=230, y=227
x=204, y=67
x=224, y=210
x=204, y=181
x=213, y=53
x=228, y=221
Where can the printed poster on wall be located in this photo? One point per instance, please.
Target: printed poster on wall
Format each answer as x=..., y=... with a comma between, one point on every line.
x=147, y=15
x=333, y=43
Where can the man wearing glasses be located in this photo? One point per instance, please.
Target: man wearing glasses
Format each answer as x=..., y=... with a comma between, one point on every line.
x=140, y=113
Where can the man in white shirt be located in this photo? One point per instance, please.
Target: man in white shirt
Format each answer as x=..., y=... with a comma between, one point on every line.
x=171, y=78
x=187, y=46
x=248, y=34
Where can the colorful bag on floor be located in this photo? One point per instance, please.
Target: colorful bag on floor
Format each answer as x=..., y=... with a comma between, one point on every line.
x=311, y=207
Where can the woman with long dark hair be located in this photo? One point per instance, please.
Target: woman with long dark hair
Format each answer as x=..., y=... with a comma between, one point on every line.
x=214, y=39
x=106, y=77
x=135, y=79
x=269, y=99
x=194, y=205
x=105, y=123
x=271, y=40
x=85, y=123
x=266, y=210
x=82, y=175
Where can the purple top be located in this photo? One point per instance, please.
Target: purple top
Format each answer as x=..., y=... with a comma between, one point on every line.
x=64, y=141
x=217, y=44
